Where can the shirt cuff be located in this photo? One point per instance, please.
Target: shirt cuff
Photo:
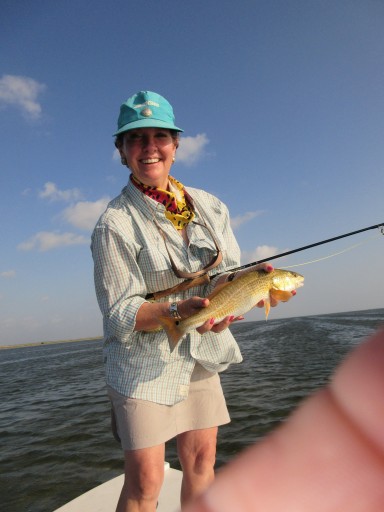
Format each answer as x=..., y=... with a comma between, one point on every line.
x=121, y=322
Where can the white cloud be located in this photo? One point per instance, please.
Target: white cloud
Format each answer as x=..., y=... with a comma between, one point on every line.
x=259, y=253
x=242, y=219
x=8, y=274
x=52, y=193
x=85, y=214
x=21, y=92
x=191, y=148
x=46, y=241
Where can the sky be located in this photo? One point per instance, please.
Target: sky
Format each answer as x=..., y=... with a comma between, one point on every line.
x=282, y=106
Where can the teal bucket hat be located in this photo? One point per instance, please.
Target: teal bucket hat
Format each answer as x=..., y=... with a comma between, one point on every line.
x=146, y=109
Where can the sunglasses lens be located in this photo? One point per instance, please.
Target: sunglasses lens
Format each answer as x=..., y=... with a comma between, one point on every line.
x=158, y=138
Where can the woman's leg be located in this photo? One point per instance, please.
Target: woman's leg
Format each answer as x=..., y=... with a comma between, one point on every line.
x=144, y=475
x=197, y=455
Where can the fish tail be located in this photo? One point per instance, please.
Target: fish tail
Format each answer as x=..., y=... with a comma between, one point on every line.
x=172, y=329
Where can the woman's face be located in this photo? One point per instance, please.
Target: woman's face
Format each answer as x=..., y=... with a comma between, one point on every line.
x=149, y=153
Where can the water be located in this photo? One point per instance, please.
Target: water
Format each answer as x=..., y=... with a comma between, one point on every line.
x=54, y=414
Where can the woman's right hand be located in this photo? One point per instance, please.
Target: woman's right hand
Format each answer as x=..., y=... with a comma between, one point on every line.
x=189, y=307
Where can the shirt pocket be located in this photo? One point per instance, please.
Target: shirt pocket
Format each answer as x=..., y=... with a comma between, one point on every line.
x=204, y=249
x=156, y=269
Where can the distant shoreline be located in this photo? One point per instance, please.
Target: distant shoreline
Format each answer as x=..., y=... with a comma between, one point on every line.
x=39, y=343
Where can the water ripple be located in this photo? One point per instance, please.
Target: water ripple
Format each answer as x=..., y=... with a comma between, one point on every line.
x=54, y=416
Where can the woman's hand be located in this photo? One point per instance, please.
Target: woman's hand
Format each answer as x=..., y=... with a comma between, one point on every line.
x=267, y=267
x=189, y=307
x=210, y=325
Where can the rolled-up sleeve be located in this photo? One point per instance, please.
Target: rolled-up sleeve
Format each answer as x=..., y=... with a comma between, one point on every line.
x=119, y=284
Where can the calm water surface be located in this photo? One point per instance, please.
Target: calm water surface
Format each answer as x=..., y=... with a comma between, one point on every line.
x=54, y=413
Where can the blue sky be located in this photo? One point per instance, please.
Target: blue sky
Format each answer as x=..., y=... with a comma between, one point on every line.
x=282, y=103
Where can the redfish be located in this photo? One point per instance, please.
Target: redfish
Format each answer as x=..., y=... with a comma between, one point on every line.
x=236, y=298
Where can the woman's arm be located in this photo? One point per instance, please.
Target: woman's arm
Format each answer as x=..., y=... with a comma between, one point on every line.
x=120, y=288
x=148, y=315
x=119, y=284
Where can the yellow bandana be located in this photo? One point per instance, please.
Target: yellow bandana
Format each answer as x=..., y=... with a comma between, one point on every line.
x=178, y=204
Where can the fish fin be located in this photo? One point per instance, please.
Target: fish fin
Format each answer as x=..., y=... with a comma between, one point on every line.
x=267, y=307
x=174, y=333
x=280, y=295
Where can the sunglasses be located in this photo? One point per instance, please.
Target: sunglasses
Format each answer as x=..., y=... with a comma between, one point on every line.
x=139, y=138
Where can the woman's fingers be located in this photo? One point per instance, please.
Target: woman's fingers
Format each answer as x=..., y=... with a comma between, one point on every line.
x=207, y=326
x=264, y=266
x=210, y=324
x=189, y=307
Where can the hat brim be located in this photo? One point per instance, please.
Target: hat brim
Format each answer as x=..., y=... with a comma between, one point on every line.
x=147, y=123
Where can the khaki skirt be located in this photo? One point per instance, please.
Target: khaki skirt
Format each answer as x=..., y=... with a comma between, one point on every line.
x=142, y=424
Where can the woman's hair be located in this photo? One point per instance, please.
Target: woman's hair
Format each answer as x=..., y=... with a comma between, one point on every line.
x=174, y=134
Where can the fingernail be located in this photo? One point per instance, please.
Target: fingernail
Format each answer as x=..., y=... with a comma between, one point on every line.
x=231, y=318
x=269, y=268
x=293, y=292
x=212, y=321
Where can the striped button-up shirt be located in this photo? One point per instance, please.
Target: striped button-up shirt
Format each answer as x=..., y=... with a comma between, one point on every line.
x=130, y=261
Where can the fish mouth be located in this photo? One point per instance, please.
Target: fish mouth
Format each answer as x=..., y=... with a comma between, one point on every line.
x=150, y=160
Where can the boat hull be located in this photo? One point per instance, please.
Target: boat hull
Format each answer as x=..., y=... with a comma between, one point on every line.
x=104, y=497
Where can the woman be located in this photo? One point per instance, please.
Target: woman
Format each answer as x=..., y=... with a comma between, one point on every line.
x=154, y=236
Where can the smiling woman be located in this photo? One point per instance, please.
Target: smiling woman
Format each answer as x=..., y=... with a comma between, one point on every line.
x=148, y=240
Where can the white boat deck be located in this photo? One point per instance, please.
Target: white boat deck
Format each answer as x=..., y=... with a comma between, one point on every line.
x=104, y=497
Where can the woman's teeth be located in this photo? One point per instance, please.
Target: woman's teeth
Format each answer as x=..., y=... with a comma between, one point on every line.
x=151, y=161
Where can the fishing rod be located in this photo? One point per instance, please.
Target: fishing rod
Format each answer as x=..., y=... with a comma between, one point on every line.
x=204, y=278
x=303, y=248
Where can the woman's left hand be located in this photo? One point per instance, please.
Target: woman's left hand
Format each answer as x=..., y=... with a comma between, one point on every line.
x=267, y=267
x=210, y=325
